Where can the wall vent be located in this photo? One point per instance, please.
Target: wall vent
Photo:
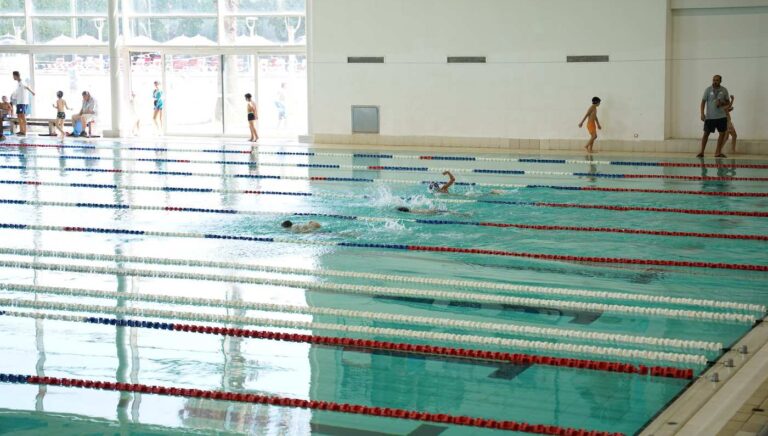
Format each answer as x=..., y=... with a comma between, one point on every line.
x=365, y=60
x=595, y=58
x=365, y=119
x=466, y=59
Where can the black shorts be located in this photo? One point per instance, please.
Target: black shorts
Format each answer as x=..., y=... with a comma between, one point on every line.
x=251, y=117
x=721, y=124
x=61, y=115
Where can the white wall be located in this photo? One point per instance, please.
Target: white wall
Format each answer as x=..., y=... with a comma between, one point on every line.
x=732, y=42
x=526, y=90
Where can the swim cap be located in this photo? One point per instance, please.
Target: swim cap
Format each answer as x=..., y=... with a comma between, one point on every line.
x=434, y=186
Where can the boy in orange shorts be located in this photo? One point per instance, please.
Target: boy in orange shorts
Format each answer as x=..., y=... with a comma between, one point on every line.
x=592, y=123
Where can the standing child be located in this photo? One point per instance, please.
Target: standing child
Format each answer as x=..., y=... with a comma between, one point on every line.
x=730, y=130
x=253, y=115
x=593, y=124
x=159, y=104
x=61, y=106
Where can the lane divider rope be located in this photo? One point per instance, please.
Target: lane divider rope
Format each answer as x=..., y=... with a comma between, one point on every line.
x=389, y=181
x=625, y=353
x=356, y=409
x=615, y=208
x=401, y=156
x=664, y=233
x=388, y=168
x=501, y=287
x=507, y=328
x=404, y=247
x=385, y=291
x=368, y=344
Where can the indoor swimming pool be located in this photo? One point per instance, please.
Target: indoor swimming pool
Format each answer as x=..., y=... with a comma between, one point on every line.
x=149, y=287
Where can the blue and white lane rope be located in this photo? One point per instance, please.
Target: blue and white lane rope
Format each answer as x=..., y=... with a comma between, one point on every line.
x=451, y=283
x=496, y=225
x=376, y=331
x=385, y=181
x=394, y=156
x=387, y=168
x=509, y=328
x=198, y=190
x=471, y=297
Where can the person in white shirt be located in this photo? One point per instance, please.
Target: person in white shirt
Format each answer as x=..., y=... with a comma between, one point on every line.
x=87, y=113
x=22, y=98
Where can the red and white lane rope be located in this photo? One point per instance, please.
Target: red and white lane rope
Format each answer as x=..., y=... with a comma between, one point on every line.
x=506, y=328
x=389, y=168
x=664, y=233
x=200, y=190
x=386, y=181
x=472, y=284
x=403, y=247
x=393, y=156
x=390, y=292
x=539, y=346
x=369, y=345
x=441, y=418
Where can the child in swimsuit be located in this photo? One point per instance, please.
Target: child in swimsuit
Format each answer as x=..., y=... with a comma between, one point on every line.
x=592, y=123
x=252, y=117
x=157, y=116
x=61, y=106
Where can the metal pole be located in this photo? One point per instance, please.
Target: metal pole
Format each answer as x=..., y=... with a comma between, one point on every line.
x=114, y=69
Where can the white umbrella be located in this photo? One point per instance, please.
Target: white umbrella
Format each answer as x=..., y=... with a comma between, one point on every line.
x=62, y=40
x=253, y=40
x=88, y=40
x=187, y=40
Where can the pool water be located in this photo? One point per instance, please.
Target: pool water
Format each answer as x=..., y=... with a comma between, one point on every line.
x=62, y=233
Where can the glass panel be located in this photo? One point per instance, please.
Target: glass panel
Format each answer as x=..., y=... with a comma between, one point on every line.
x=52, y=31
x=283, y=95
x=193, y=91
x=174, y=6
x=12, y=31
x=73, y=74
x=92, y=6
x=239, y=79
x=92, y=31
x=51, y=6
x=265, y=30
x=176, y=31
x=146, y=68
x=10, y=62
x=265, y=5
x=12, y=6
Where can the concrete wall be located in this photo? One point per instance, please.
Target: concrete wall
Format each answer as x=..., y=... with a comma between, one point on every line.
x=525, y=90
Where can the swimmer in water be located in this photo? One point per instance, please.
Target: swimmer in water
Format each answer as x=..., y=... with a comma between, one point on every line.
x=301, y=228
x=437, y=189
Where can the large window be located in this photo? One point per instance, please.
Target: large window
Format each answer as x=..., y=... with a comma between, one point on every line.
x=72, y=74
x=63, y=45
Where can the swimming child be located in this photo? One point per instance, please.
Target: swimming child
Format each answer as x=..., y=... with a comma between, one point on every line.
x=309, y=227
x=437, y=189
x=592, y=123
x=253, y=115
x=61, y=106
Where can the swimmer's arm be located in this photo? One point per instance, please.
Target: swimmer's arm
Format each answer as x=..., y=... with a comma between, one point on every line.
x=589, y=111
x=450, y=183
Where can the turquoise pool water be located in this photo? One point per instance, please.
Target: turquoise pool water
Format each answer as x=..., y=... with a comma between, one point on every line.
x=541, y=394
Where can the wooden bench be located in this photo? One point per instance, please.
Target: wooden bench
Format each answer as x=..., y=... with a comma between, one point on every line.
x=51, y=123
